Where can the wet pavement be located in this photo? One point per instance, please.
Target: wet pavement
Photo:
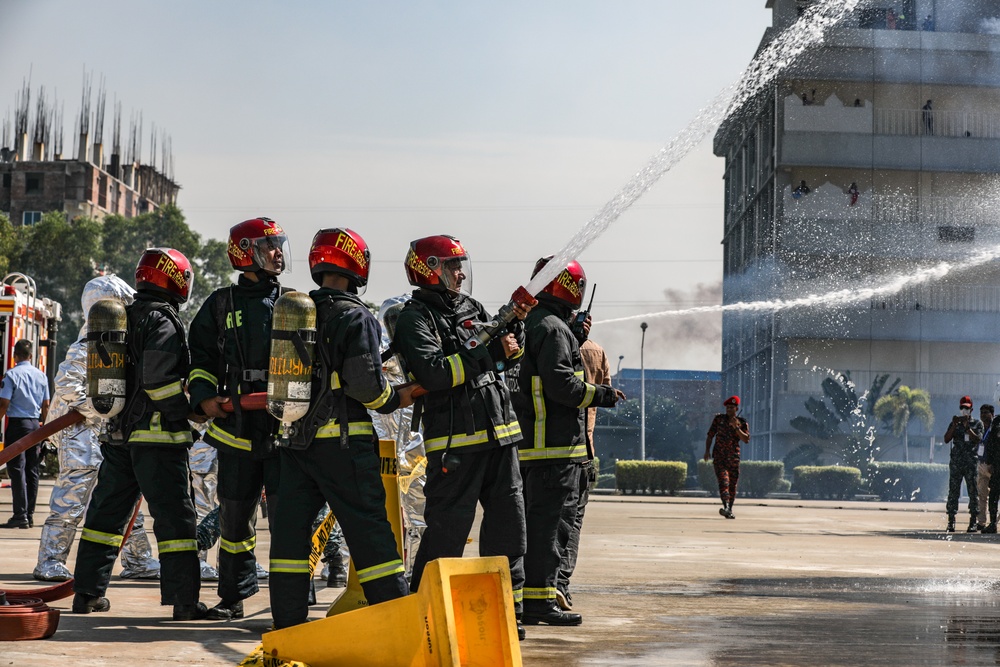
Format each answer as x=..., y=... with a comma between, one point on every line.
x=661, y=581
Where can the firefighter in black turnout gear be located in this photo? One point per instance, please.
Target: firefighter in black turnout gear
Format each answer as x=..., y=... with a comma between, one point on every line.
x=230, y=350
x=551, y=405
x=332, y=454
x=470, y=432
x=146, y=453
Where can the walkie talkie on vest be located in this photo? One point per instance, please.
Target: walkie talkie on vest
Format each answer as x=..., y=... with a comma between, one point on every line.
x=581, y=317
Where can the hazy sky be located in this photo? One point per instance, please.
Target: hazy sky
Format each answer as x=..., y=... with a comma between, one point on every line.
x=507, y=125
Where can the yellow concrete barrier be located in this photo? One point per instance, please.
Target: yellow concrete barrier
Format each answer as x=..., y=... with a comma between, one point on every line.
x=462, y=616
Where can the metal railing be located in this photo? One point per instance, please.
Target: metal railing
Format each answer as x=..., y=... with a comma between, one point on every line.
x=917, y=122
x=981, y=386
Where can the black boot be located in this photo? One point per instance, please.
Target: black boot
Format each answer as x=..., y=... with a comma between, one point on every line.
x=991, y=529
x=190, y=612
x=549, y=614
x=951, y=523
x=226, y=611
x=84, y=604
x=972, y=525
x=338, y=570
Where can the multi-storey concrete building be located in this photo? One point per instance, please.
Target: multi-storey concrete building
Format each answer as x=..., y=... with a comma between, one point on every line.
x=871, y=158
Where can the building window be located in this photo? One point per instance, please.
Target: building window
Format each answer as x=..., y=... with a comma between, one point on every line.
x=949, y=234
x=6, y=180
x=31, y=217
x=33, y=184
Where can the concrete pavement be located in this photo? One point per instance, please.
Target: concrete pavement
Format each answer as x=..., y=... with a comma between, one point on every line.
x=661, y=581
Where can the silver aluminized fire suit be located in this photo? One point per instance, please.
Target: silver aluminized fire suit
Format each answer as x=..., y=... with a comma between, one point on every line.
x=80, y=457
x=205, y=481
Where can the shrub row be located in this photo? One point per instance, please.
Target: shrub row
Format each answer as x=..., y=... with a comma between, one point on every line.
x=826, y=481
x=757, y=478
x=650, y=476
x=922, y=482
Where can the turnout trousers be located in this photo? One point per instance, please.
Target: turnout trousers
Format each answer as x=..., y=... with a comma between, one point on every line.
x=571, y=523
x=23, y=468
x=350, y=481
x=962, y=468
x=242, y=478
x=491, y=478
x=549, y=489
x=160, y=475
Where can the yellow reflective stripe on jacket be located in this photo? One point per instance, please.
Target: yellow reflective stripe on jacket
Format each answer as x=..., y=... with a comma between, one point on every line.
x=539, y=593
x=588, y=398
x=165, y=392
x=174, y=546
x=289, y=566
x=457, y=369
x=202, y=374
x=238, y=547
x=155, y=434
x=109, y=539
x=479, y=437
x=227, y=438
x=537, y=453
x=335, y=381
x=379, y=571
x=331, y=429
x=538, y=402
x=380, y=401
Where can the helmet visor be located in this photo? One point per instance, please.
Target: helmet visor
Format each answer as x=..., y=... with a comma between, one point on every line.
x=273, y=254
x=456, y=274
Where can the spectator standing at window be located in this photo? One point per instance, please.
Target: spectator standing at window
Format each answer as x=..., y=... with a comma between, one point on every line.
x=928, y=115
x=854, y=192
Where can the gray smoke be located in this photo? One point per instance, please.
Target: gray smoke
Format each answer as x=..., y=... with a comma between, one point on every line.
x=701, y=329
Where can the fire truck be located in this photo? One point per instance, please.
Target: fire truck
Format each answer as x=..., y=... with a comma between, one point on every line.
x=23, y=314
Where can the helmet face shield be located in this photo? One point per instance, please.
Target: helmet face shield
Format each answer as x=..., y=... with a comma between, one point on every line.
x=455, y=273
x=273, y=254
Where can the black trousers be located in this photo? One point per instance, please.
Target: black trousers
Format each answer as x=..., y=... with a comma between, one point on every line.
x=23, y=468
x=959, y=469
x=570, y=525
x=242, y=478
x=350, y=481
x=548, y=490
x=162, y=476
x=490, y=478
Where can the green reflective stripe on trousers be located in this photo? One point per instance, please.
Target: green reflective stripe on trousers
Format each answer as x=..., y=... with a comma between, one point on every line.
x=110, y=539
x=174, y=546
x=332, y=429
x=289, y=566
x=165, y=392
x=202, y=374
x=238, y=547
x=539, y=593
x=227, y=438
x=542, y=453
x=518, y=594
x=380, y=401
x=457, y=369
x=538, y=402
x=479, y=437
x=379, y=571
x=588, y=397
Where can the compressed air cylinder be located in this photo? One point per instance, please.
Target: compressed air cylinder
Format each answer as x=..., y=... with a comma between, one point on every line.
x=106, y=355
x=293, y=337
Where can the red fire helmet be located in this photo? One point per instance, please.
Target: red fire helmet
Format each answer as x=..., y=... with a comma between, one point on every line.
x=569, y=286
x=166, y=272
x=251, y=242
x=340, y=251
x=439, y=263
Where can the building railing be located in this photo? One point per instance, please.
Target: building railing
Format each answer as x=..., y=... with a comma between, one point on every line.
x=981, y=386
x=917, y=122
x=828, y=202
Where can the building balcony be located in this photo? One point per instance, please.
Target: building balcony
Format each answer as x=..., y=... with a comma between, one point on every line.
x=951, y=386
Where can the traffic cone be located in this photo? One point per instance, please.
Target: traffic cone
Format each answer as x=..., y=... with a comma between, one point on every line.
x=353, y=596
x=462, y=616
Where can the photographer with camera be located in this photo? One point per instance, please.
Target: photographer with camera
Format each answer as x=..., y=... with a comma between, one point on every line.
x=964, y=434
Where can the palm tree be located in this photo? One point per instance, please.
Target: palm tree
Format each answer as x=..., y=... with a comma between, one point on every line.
x=902, y=405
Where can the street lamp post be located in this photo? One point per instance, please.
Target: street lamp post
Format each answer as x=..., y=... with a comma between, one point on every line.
x=642, y=394
x=618, y=371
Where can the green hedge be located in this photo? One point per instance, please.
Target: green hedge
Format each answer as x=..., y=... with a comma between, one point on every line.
x=757, y=478
x=650, y=476
x=605, y=481
x=921, y=482
x=826, y=481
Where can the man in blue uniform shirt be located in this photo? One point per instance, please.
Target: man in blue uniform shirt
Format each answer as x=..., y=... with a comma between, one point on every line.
x=24, y=398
